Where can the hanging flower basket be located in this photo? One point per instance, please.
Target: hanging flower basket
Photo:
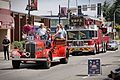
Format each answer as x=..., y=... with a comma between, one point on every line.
x=27, y=28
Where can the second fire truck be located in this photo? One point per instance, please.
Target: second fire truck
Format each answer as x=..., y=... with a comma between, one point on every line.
x=86, y=34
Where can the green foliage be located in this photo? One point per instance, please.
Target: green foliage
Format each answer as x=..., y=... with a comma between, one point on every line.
x=117, y=38
x=106, y=9
x=117, y=27
x=109, y=9
x=19, y=45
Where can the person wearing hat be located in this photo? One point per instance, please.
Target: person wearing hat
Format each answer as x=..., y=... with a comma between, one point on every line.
x=5, y=44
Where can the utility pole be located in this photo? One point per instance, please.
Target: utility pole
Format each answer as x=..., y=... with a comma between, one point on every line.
x=76, y=3
x=59, y=14
x=114, y=24
x=89, y=2
x=68, y=13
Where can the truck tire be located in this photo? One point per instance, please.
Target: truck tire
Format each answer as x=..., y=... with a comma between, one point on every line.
x=105, y=47
x=65, y=60
x=95, y=50
x=47, y=64
x=15, y=64
x=98, y=49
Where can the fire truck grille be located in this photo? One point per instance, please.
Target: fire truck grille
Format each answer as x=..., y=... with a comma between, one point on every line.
x=30, y=47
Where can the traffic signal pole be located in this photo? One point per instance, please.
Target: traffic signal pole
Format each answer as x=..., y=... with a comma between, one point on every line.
x=29, y=8
x=68, y=13
x=59, y=14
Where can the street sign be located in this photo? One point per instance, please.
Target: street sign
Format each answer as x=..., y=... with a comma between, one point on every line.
x=94, y=66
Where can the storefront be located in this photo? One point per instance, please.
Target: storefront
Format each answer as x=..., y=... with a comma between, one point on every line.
x=6, y=24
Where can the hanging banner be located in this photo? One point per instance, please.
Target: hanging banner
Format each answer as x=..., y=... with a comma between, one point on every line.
x=63, y=11
x=34, y=4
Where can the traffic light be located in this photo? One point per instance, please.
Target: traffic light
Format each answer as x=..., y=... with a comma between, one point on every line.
x=79, y=10
x=99, y=10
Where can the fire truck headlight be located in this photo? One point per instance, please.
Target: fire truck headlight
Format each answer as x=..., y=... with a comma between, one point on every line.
x=69, y=44
x=27, y=54
x=86, y=43
x=39, y=49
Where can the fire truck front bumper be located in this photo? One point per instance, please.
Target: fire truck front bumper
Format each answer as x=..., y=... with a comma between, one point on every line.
x=81, y=49
x=30, y=59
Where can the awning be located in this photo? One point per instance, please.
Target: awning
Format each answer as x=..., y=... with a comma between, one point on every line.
x=6, y=21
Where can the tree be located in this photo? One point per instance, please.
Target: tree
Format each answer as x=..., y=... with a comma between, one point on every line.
x=109, y=9
x=106, y=10
x=116, y=6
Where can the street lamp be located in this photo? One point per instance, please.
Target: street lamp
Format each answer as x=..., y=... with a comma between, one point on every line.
x=114, y=24
x=114, y=16
x=68, y=13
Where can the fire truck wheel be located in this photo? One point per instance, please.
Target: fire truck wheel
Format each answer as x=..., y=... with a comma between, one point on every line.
x=65, y=60
x=95, y=50
x=105, y=47
x=48, y=63
x=16, y=64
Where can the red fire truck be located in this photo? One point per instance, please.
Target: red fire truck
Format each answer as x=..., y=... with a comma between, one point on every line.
x=86, y=35
x=37, y=51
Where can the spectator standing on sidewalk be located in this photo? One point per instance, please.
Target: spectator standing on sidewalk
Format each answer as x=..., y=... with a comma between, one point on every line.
x=5, y=44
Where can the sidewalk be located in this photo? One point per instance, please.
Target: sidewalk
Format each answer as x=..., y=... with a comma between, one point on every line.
x=2, y=56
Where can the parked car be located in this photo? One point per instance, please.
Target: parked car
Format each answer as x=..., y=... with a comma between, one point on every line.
x=112, y=45
x=115, y=74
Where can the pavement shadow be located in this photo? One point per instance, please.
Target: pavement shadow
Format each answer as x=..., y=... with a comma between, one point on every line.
x=7, y=69
x=37, y=66
x=81, y=53
x=81, y=75
x=32, y=66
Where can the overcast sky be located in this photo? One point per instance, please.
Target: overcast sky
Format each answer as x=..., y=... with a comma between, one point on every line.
x=44, y=6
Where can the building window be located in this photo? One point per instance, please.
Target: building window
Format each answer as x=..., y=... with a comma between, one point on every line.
x=93, y=7
x=84, y=7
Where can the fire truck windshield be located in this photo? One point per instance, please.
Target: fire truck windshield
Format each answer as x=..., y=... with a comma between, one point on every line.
x=82, y=34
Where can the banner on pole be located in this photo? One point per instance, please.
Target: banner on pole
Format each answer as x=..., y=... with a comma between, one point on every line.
x=34, y=4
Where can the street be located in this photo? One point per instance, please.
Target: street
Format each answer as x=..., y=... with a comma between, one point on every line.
x=76, y=69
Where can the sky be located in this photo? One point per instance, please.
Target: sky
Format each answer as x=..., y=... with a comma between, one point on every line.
x=45, y=6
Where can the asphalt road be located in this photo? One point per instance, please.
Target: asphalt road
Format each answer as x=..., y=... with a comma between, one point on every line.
x=76, y=69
